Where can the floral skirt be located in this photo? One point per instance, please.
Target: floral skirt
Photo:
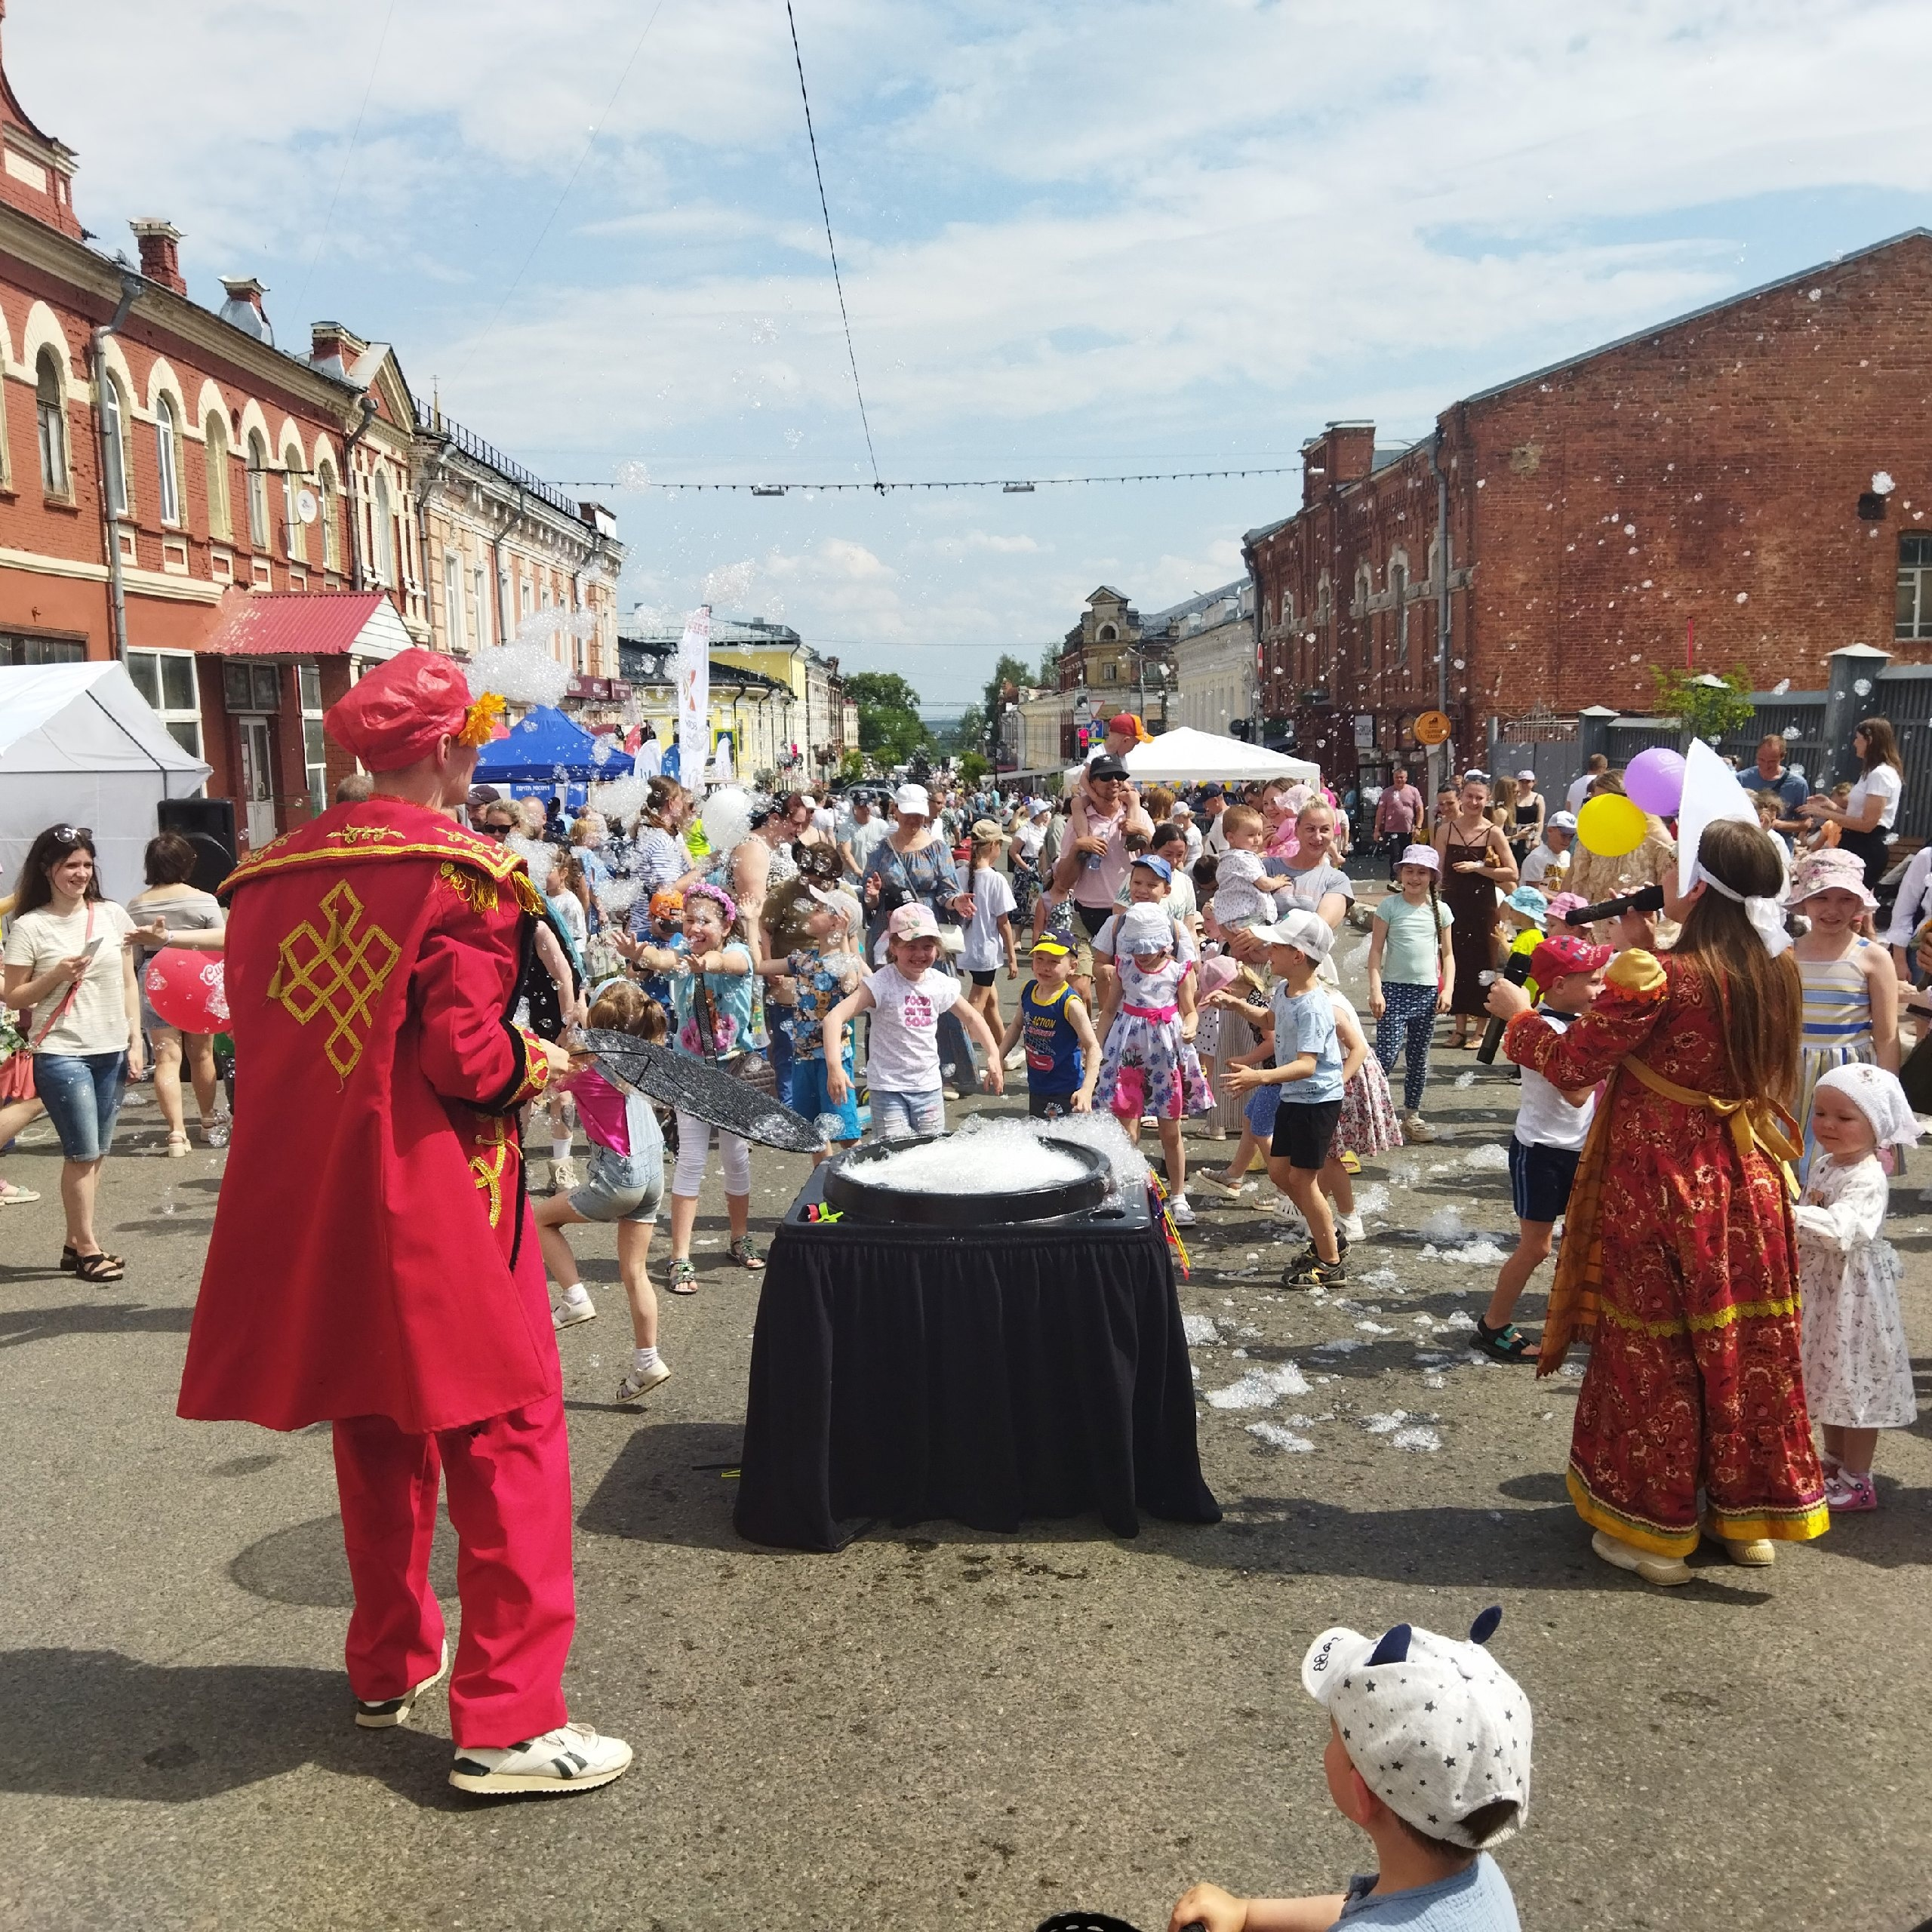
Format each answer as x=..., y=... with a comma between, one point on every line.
x=1368, y=1125
x=1147, y=1068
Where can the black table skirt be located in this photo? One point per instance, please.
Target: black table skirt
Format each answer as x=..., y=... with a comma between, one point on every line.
x=904, y=1373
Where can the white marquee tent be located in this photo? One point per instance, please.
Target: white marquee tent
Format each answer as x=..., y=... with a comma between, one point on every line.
x=80, y=746
x=1184, y=756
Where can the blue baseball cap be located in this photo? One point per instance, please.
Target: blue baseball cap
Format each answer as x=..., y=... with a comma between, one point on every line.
x=1158, y=865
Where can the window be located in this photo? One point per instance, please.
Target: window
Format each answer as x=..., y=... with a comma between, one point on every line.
x=1914, y=610
x=479, y=606
x=314, y=745
x=382, y=544
x=258, y=491
x=453, y=601
x=296, y=540
x=113, y=435
x=167, y=452
x=16, y=649
x=1398, y=590
x=166, y=678
x=215, y=460
x=51, y=408
x=325, y=514
x=250, y=687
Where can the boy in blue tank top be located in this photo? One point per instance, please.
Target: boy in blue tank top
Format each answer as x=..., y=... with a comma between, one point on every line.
x=1062, y=1051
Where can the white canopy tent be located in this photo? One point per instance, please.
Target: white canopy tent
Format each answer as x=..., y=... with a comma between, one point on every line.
x=1184, y=756
x=80, y=746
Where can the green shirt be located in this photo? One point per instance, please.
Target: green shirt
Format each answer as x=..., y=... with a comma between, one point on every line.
x=1410, y=955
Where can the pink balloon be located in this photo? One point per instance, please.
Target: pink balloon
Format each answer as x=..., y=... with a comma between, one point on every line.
x=187, y=989
x=1653, y=780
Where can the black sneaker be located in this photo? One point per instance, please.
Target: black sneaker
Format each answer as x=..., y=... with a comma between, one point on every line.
x=1311, y=1271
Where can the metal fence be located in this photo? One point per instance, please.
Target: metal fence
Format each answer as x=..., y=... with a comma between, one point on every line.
x=1548, y=746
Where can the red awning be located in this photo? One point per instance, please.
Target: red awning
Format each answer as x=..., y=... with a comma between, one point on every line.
x=307, y=623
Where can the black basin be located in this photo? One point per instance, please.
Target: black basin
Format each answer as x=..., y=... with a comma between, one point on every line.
x=847, y=1188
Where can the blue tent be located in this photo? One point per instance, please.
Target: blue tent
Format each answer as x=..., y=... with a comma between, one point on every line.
x=544, y=743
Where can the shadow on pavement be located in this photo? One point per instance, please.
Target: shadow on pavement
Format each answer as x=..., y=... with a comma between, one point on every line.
x=94, y=1724
x=667, y=1485
x=305, y=1565
x=19, y=1326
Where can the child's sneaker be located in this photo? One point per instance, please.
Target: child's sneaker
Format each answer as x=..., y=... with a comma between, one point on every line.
x=1414, y=1127
x=1180, y=1212
x=1349, y=1228
x=1311, y=1271
x=563, y=1175
x=1845, y=1492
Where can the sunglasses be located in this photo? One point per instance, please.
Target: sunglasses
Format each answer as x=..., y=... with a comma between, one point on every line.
x=496, y=831
x=72, y=835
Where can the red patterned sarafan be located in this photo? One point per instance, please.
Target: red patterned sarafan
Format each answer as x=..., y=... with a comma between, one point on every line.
x=1694, y=1377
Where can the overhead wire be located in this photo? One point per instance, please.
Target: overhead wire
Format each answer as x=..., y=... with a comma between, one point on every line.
x=832, y=249
x=1012, y=485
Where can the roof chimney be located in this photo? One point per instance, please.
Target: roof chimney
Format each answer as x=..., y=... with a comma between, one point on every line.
x=244, y=307
x=330, y=343
x=161, y=259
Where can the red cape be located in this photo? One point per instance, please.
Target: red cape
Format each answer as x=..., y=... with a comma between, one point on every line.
x=373, y=1252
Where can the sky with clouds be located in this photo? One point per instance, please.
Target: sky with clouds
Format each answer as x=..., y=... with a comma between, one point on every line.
x=1078, y=238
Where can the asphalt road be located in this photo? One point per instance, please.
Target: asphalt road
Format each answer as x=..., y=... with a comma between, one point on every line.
x=933, y=1728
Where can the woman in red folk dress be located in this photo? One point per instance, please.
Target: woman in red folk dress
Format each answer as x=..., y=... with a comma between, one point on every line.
x=1678, y=1259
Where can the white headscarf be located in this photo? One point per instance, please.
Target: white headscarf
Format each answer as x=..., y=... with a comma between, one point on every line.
x=1878, y=1096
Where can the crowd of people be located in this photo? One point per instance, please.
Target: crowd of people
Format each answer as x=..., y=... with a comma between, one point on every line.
x=1169, y=959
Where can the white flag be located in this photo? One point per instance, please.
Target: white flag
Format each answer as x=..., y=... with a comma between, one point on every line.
x=694, y=700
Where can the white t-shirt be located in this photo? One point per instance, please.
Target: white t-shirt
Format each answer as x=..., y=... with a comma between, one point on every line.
x=1579, y=790
x=1027, y=840
x=96, y=1020
x=1180, y=900
x=1544, y=1118
x=1214, y=840
x=1880, y=782
x=903, y=1057
x=992, y=898
x=1536, y=866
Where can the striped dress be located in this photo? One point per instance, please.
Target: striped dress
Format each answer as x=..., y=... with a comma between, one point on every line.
x=1838, y=1028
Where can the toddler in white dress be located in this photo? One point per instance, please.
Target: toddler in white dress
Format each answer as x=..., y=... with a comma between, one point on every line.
x=1857, y=1368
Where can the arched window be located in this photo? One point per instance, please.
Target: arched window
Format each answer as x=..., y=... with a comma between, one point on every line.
x=114, y=438
x=51, y=408
x=1288, y=610
x=258, y=491
x=383, y=545
x=1107, y=634
x=325, y=515
x=215, y=460
x=167, y=467
x=297, y=538
x=1398, y=590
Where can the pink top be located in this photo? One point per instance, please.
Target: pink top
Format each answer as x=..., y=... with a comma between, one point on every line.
x=606, y=1111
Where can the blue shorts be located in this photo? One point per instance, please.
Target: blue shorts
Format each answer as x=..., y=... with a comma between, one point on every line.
x=1263, y=1104
x=81, y=1093
x=809, y=1098
x=1540, y=1180
x=905, y=1116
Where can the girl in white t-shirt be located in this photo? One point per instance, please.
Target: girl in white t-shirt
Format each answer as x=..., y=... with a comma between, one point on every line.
x=1865, y=820
x=906, y=998
x=988, y=938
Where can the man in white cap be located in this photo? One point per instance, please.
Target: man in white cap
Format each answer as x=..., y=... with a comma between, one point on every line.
x=1429, y=1752
x=1546, y=863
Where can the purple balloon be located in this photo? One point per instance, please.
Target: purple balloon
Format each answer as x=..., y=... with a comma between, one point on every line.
x=1654, y=780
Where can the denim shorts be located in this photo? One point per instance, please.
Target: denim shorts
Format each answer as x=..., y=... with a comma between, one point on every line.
x=902, y=1116
x=619, y=1187
x=81, y=1093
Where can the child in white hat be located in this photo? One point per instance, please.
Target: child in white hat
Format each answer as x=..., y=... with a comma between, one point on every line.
x=1857, y=1368
x=1429, y=1752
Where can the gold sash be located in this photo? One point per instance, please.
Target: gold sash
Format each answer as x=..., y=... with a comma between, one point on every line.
x=1575, y=1295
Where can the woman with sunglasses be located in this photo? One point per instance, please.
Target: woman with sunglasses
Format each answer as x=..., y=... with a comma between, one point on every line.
x=69, y=968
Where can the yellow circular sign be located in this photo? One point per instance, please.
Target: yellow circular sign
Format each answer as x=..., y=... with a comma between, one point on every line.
x=1433, y=728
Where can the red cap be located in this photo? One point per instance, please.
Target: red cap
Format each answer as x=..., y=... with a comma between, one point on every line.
x=394, y=715
x=1126, y=725
x=1556, y=958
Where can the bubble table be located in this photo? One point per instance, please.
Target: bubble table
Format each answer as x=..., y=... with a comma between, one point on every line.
x=986, y=1374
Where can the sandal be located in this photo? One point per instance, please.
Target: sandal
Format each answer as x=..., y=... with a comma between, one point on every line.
x=100, y=1267
x=744, y=1252
x=177, y=1146
x=1508, y=1343
x=682, y=1279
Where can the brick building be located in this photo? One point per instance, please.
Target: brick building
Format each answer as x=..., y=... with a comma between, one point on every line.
x=1761, y=469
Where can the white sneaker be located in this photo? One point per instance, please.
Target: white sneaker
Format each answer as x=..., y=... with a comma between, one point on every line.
x=1180, y=1212
x=572, y=1758
x=639, y=1382
x=1414, y=1127
x=389, y=1711
x=566, y=1313
x=1350, y=1225
x=563, y=1175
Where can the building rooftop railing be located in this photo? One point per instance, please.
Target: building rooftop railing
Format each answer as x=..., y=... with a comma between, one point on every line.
x=432, y=422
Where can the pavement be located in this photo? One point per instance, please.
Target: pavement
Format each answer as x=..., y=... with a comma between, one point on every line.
x=934, y=1727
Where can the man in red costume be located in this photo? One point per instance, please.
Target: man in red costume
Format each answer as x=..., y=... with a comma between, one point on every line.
x=374, y=1263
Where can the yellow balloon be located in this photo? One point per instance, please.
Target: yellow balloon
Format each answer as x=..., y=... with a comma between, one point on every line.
x=1610, y=825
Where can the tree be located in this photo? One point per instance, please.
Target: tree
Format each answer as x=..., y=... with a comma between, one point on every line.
x=889, y=722
x=1009, y=671
x=1706, y=708
x=973, y=767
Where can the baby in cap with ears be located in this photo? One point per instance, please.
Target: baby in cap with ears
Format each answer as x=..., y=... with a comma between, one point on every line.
x=1428, y=1753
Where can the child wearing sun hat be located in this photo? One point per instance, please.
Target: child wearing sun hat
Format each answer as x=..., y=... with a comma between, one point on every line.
x=1428, y=1753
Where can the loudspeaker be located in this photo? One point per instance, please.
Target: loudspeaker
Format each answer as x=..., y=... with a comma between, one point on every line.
x=208, y=825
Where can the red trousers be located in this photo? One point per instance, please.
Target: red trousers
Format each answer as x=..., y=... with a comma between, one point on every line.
x=509, y=1498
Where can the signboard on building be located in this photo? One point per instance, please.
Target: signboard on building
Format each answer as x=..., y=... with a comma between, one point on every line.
x=1365, y=730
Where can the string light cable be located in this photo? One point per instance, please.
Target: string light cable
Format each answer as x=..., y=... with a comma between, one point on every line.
x=1008, y=485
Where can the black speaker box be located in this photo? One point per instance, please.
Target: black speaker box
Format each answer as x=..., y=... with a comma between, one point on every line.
x=208, y=825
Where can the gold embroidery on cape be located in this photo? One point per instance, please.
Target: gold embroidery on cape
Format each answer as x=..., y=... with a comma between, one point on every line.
x=479, y=893
x=489, y=1172
x=371, y=835
x=341, y=973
